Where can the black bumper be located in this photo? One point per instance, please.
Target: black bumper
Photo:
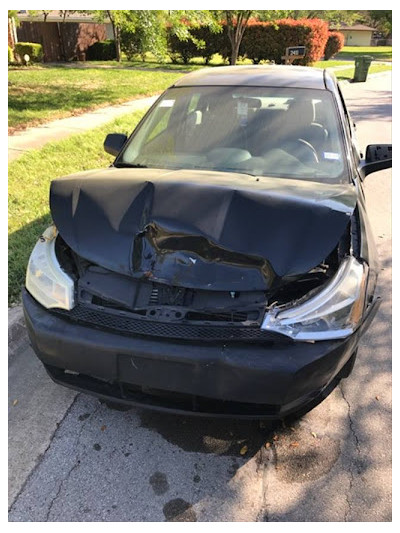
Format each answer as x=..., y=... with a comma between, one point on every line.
x=219, y=379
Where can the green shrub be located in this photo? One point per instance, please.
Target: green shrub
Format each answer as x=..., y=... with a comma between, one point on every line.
x=34, y=51
x=334, y=44
x=181, y=50
x=10, y=55
x=101, y=51
x=213, y=43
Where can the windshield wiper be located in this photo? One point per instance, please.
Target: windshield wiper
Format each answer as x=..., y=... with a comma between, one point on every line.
x=129, y=165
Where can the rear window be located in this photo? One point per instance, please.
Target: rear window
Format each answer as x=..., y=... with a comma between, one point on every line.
x=290, y=133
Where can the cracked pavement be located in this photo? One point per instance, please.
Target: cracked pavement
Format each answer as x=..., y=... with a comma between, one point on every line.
x=73, y=459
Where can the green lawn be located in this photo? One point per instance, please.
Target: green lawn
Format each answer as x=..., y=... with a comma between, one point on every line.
x=379, y=53
x=348, y=73
x=28, y=188
x=40, y=95
x=333, y=63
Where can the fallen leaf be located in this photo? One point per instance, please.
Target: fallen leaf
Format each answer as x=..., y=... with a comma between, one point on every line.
x=267, y=444
x=15, y=402
x=243, y=451
x=276, y=437
x=103, y=428
x=294, y=444
x=314, y=434
x=293, y=429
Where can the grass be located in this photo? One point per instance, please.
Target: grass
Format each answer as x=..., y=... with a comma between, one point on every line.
x=348, y=73
x=379, y=53
x=43, y=93
x=332, y=63
x=28, y=189
x=40, y=95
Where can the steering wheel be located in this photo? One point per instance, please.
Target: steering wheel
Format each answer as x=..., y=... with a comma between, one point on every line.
x=302, y=150
x=308, y=148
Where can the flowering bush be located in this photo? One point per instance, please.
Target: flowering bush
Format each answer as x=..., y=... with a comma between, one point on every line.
x=334, y=44
x=261, y=41
x=269, y=40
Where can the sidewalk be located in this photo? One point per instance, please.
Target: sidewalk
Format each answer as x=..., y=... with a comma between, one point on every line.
x=34, y=138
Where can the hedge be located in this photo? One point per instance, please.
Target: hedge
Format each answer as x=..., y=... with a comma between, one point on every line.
x=101, y=51
x=34, y=51
x=334, y=44
x=10, y=55
x=213, y=43
x=269, y=40
x=182, y=50
x=261, y=41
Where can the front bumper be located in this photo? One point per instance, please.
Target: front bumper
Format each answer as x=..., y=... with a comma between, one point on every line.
x=219, y=379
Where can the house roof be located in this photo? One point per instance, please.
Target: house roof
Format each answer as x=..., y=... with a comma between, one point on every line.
x=57, y=16
x=356, y=27
x=256, y=75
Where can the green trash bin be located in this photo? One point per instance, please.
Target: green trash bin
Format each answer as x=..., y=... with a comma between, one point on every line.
x=361, y=69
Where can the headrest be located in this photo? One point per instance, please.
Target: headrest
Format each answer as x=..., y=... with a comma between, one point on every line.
x=301, y=111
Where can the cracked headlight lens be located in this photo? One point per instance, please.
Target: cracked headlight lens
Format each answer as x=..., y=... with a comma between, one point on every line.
x=45, y=280
x=333, y=313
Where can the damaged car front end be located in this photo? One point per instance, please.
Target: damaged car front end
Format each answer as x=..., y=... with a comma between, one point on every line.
x=205, y=285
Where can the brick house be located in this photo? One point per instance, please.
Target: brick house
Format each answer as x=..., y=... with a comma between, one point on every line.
x=62, y=38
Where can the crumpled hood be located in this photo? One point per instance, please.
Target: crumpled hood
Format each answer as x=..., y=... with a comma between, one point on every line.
x=200, y=229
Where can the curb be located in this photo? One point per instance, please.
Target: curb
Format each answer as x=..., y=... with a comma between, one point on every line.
x=17, y=334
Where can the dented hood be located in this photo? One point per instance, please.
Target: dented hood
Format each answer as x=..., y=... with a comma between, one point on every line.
x=200, y=229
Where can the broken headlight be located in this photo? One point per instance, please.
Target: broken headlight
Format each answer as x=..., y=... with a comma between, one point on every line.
x=332, y=313
x=45, y=279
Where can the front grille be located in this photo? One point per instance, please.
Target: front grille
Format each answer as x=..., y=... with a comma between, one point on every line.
x=121, y=322
x=234, y=316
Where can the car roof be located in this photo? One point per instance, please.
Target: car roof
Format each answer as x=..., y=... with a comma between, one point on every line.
x=257, y=75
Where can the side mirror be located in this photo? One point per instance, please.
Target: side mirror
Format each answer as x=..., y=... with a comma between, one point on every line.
x=114, y=142
x=377, y=157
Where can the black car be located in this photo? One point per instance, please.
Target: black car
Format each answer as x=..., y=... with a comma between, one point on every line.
x=224, y=264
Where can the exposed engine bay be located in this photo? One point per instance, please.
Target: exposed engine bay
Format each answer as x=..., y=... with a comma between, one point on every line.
x=101, y=289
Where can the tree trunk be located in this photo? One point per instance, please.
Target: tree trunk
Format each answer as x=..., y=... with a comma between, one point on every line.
x=236, y=31
x=235, y=53
x=117, y=37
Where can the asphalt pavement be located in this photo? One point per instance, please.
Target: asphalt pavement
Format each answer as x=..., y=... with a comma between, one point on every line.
x=73, y=459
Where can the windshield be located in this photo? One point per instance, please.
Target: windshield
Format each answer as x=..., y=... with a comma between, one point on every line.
x=262, y=131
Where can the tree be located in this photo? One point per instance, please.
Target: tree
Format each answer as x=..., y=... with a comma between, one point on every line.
x=34, y=13
x=119, y=19
x=334, y=17
x=145, y=33
x=382, y=20
x=236, y=22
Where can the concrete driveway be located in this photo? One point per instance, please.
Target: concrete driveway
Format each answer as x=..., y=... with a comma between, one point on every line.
x=73, y=459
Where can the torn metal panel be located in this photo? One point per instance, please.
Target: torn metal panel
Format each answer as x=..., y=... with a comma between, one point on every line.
x=197, y=229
